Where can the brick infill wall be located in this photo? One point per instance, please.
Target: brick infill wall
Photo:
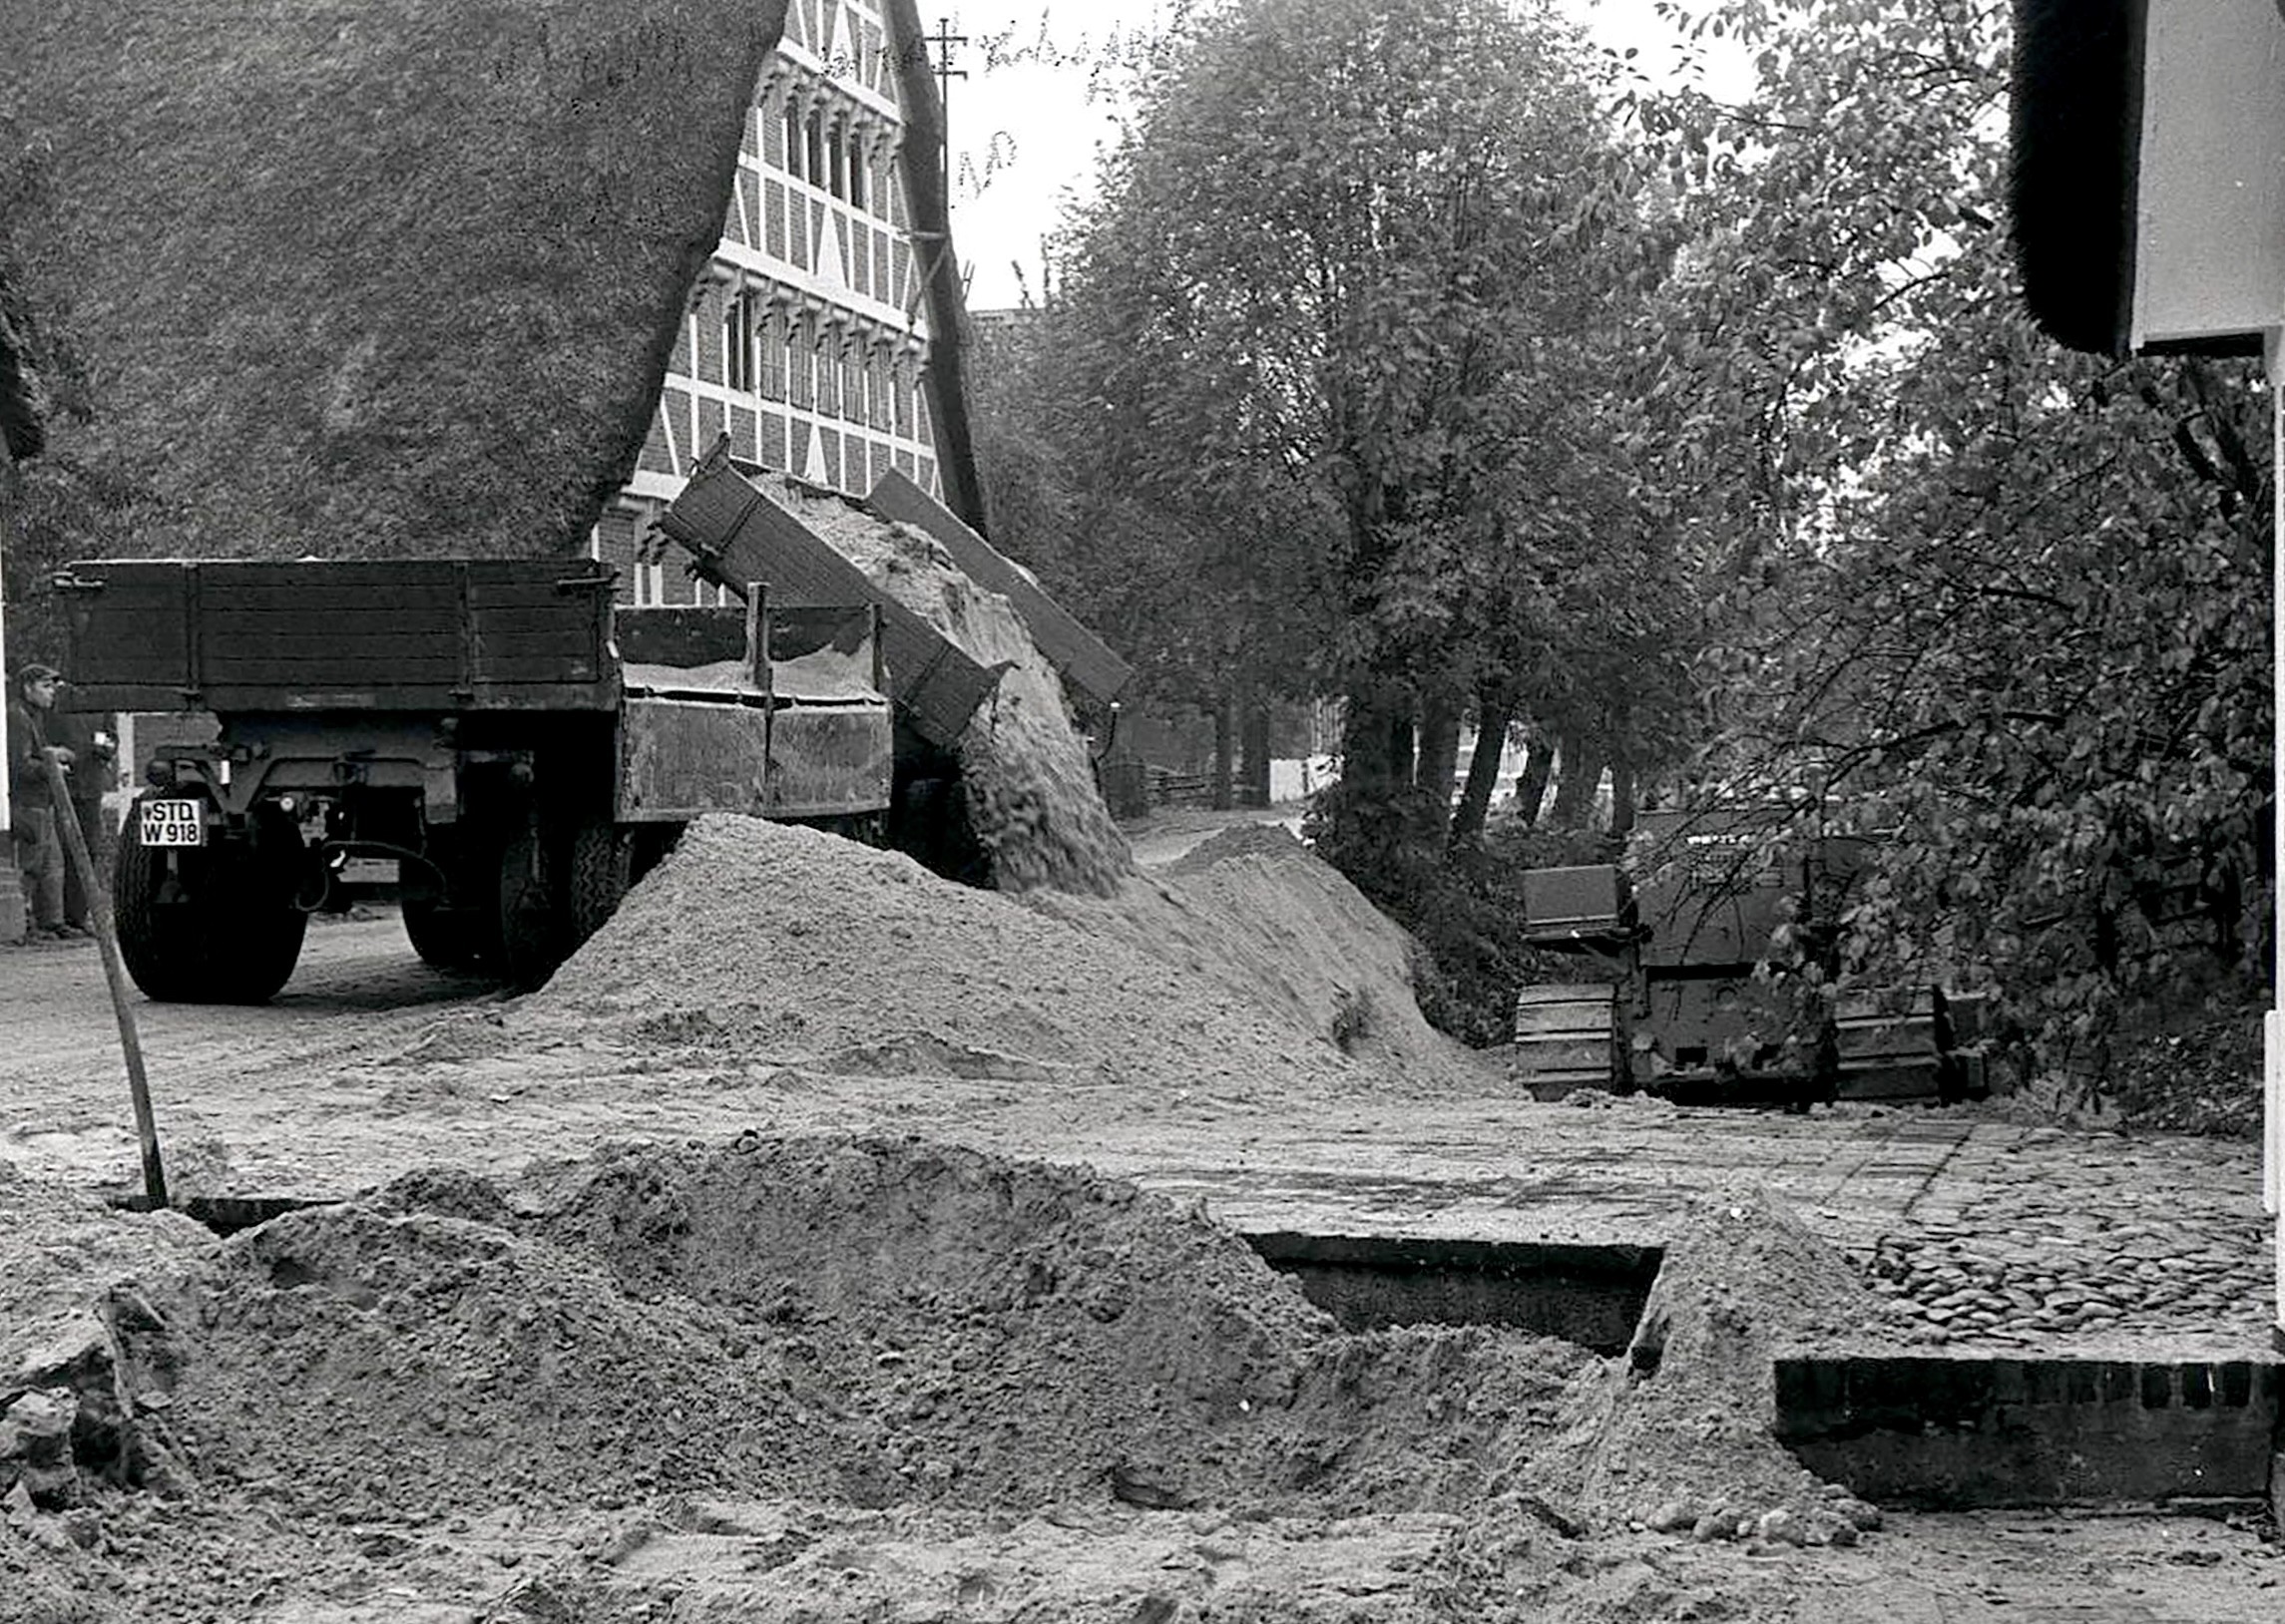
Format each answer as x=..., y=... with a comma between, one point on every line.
x=1961, y=1432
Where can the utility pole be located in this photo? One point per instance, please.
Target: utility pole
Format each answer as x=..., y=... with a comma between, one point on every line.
x=944, y=40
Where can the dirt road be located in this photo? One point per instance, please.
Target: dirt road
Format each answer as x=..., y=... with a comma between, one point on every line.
x=370, y=1066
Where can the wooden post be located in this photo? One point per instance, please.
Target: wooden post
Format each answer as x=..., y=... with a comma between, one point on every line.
x=2273, y=1021
x=758, y=634
x=99, y=917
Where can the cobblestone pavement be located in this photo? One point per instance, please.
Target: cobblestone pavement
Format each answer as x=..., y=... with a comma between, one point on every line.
x=1975, y=1232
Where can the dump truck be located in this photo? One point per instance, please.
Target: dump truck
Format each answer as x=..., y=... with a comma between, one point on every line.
x=1673, y=997
x=494, y=735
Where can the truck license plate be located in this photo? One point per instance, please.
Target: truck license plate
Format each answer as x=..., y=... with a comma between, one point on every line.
x=174, y=823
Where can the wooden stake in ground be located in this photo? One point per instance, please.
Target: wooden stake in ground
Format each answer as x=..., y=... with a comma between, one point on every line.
x=99, y=917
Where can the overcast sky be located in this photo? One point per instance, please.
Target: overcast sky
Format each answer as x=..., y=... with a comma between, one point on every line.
x=1030, y=117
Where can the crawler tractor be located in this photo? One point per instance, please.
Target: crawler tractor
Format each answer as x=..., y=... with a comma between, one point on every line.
x=1675, y=996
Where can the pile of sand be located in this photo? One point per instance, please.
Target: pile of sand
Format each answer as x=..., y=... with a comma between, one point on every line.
x=1254, y=909
x=1678, y=1435
x=786, y=945
x=63, y=1244
x=857, y=1320
x=968, y=1345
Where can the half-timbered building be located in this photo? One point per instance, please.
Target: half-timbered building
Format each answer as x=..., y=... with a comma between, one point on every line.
x=808, y=338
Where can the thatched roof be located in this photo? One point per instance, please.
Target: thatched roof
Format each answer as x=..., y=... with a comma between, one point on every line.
x=2074, y=139
x=382, y=276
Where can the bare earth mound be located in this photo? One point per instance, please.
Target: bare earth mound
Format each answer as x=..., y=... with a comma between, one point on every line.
x=861, y=1323
x=1680, y=1435
x=1254, y=910
x=786, y=946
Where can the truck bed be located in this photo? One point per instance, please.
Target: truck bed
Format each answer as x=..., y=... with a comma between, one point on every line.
x=737, y=537
x=401, y=634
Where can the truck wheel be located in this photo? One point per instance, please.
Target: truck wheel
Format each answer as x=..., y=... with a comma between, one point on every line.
x=602, y=859
x=253, y=911
x=156, y=936
x=223, y=925
x=444, y=937
x=533, y=923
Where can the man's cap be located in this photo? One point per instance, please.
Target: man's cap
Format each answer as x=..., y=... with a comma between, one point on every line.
x=38, y=673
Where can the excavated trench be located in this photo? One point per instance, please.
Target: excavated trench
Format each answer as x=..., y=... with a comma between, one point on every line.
x=1589, y=1295
x=1949, y=1433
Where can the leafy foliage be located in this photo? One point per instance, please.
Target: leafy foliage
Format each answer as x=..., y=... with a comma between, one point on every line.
x=1983, y=597
x=1391, y=358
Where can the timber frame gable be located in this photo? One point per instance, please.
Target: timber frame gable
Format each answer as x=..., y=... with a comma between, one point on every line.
x=815, y=335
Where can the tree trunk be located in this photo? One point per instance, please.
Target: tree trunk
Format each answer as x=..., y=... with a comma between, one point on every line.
x=1621, y=796
x=1226, y=750
x=1539, y=766
x=1439, y=749
x=1400, y=747
x=1376, y=740
x=1574, y=787
x=1256, y=754
x=1491, y=719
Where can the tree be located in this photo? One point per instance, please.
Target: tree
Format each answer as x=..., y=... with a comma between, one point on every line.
x=1336, y=283
x=1215, y=593
x=1976, y=594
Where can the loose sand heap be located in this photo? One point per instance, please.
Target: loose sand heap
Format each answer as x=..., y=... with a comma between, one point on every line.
x=1029, y=786
x=784, y=945
x=1678, y=1437
x=657, y=1376
x=1253, y=909
x=858, y=1322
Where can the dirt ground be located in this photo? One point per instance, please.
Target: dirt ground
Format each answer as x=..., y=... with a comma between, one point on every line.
x=723, y=1279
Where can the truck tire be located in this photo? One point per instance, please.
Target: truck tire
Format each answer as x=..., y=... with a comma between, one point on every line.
x=253, y=913
x=602, y=860
x=224, y=926
x=156, y=938
x=447, y=937
x=534, y=923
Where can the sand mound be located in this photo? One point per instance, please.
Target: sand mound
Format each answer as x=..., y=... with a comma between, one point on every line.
x=791, y=947
x=1680, y=1433
x=66, y=1245
x=1256, y=911
x=863, y=1321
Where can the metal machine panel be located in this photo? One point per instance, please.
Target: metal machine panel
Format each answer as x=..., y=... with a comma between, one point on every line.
x=680, y=758
x=315, y=635
x=830, y=762
x=1566, y=1037
x=1573, y=899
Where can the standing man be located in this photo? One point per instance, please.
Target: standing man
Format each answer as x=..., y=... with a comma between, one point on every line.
x=39, y=847
x=88, y=737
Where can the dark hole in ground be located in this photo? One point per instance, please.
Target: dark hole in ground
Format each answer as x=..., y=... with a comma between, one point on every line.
x=226, y=1215
x=1590, y=1295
